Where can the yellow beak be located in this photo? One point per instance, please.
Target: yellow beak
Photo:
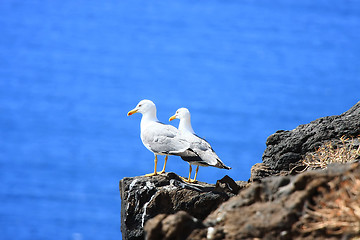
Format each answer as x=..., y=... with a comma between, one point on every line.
x=172, y=118
x=132, y=112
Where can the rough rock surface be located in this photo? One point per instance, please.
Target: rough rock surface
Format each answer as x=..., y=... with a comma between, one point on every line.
x=272, y=209
x=143, y=198
x=280, y=202
x=286, y=148
x=174, y=226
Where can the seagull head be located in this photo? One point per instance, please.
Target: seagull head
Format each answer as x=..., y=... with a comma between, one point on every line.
x=181, y=113
x=185, y=123
x=143, y=107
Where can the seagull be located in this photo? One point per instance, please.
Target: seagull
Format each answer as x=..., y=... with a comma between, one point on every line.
x=205, y=155
x=159, y=138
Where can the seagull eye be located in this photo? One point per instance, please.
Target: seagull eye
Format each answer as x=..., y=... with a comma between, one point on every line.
x=140, y=105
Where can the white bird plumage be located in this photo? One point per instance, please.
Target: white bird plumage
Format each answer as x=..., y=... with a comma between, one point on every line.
x=205, y=155
x=159, y=138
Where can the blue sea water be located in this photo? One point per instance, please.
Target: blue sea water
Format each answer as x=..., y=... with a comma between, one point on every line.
x=71, y=70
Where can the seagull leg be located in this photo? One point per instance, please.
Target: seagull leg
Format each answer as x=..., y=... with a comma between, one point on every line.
x=163, y=170
x=187, y=179
x=190, y=169
x=154, y=173
x=196, y=172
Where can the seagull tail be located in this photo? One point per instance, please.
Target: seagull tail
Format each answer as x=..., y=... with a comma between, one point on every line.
x=220, y=164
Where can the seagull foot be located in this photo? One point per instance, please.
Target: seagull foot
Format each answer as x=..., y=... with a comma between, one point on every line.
x=192, y=181
x=161, y=172
x=151, y=174
x=184, y=179
x=187, y=180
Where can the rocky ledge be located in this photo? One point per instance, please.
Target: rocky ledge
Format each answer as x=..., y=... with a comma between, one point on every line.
x=280, y=201
x=283, y=207
x=143, y=198
x=285, y=149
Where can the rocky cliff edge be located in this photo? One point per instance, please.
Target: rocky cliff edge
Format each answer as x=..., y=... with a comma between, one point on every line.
x=282, y=200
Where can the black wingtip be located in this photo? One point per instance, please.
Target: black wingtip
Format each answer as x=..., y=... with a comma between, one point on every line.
x=222, y=165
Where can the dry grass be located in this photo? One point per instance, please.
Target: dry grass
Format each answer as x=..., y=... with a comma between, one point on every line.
x=347, y=150
x=335, y=210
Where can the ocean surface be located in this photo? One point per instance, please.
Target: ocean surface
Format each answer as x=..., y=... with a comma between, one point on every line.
x=71, y=70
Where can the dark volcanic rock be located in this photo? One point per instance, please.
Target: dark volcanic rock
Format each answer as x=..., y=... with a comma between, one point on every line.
x=276, y=204
x=286, y=148
x=272, y=209
x=143, y=198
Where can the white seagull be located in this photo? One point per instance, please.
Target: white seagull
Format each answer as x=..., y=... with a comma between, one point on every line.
x=206, y=156
x=159, y=138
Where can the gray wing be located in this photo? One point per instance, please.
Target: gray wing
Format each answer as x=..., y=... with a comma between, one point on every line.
x=205, y=152
x=165, y=139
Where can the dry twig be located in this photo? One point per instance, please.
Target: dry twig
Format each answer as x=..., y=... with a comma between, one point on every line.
x=345, y=151
x=335, y=210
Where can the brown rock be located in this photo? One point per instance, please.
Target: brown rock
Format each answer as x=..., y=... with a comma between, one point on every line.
x=270, y=209
x=260, y=171
x=176, y=226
